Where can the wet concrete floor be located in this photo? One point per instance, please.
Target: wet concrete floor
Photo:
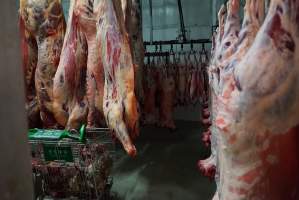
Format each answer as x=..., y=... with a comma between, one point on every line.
x=165, y=168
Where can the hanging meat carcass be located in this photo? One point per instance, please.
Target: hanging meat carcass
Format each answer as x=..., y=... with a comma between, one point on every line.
x=136, y=38
x=42, y=28
x=203, y=76
x=70, y=103
x=208, y=166
x=193, y=89
x=258, y=117
x=224, y=49
x=120, y=104
x=88, y=61
x=181, y=79
x=253, y=17
x=83, y=27
x=150, y=85
x=167, y=95
x=218, y=35
x=201, y=93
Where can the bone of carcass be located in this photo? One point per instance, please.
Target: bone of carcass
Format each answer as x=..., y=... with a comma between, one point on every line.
x=258, y=117
x=119, y=104
x=70, y=104
x=42, y=28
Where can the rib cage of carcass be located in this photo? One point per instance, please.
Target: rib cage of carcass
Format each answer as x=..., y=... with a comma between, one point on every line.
x=254, y=84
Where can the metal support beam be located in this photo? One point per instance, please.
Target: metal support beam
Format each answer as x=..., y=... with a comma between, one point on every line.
x=157, y=54
x=151, y=21
x=173, y=42
x=182, y=36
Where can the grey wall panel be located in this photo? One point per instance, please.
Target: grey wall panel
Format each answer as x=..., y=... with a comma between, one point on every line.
x=15, y=165
x=197, y=18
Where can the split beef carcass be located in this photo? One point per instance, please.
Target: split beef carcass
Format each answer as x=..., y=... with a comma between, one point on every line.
x=84, y=57
x=134, y=28
x=70, y=103
x=120, y=103
x=81, y=66
x=200, y=80
x=188, y=68
x=259, y=118
x=208, y=166
x=42, y=28
x=196, y=85
x=150, y=87
x=193, y=90
x=253, y=17
x=181, y=79
x=226, y=42
x=138, y=48
x=167, y=96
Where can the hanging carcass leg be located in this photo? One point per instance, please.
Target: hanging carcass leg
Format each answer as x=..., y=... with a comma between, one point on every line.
x=119, y=104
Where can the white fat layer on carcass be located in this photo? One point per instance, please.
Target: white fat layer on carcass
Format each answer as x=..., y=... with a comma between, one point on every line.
x=257, y=81
x=258, y=108
x=231, y=169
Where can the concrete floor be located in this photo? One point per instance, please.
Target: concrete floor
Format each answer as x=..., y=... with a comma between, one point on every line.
x=165, y=168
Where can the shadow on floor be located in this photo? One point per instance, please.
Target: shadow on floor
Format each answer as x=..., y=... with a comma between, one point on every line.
x=165, y=167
